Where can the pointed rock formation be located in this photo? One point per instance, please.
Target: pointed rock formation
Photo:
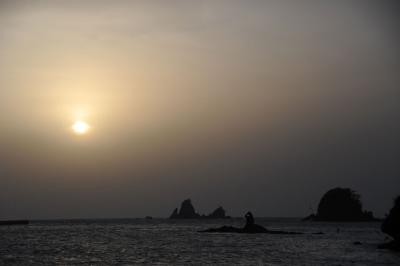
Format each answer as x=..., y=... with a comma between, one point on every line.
x=174, y=214
x=186, y=211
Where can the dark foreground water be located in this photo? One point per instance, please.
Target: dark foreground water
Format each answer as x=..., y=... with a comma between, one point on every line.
x=165, y=242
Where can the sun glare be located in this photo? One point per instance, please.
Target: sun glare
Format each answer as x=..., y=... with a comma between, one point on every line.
x=80, y=127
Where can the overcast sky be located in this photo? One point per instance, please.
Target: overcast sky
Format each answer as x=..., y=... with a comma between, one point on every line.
x=252, y=105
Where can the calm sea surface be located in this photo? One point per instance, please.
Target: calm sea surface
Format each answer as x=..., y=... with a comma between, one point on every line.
x=166, y=242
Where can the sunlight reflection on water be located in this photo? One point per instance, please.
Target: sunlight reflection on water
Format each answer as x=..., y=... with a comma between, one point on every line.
x=165, y=242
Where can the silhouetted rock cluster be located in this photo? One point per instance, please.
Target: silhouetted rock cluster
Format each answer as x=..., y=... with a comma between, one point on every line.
x=341, y=204
x=217, y=213
x=249, y=228
x=391, y=226
x=187, y=211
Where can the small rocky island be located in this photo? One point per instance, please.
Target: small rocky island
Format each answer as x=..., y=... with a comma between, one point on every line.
x=249, y=228
x=187, y=211
x=391, y=226
x=341, y=205
x=14, y=222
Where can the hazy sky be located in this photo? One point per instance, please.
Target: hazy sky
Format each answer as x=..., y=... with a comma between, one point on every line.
x=252, y=105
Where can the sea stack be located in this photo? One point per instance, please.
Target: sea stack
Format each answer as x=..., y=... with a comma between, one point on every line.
x=186, y=211
x=341, y=205
x=174, y=214
x=218, y=213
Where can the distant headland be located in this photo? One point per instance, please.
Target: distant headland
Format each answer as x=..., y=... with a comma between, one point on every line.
x=187, y=211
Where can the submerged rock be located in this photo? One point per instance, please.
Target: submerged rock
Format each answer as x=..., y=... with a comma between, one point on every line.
x=249, y=228
x=230, y=229
x=341, y=205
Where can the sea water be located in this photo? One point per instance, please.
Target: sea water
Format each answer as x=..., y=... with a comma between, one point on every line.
x=177, y=242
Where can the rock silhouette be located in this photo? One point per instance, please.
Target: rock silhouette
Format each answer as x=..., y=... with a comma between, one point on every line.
x=187, y=211
x=310, y=217
x=249, y=219
x=341, y=205
x=217, y=214
x=249, y=228
x=14, y=222
x=391, y=226
x=174, y=214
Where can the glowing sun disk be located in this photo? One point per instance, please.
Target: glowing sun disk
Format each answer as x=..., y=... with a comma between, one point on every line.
x=80, y=127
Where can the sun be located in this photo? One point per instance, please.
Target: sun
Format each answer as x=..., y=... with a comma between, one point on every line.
x=80, y=127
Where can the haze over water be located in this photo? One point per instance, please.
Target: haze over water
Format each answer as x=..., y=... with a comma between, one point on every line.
x=260, y=105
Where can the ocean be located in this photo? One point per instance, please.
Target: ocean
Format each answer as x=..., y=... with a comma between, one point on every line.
x=177, y=242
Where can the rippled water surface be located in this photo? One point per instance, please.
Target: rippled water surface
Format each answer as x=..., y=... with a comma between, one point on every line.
x=166, y=242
